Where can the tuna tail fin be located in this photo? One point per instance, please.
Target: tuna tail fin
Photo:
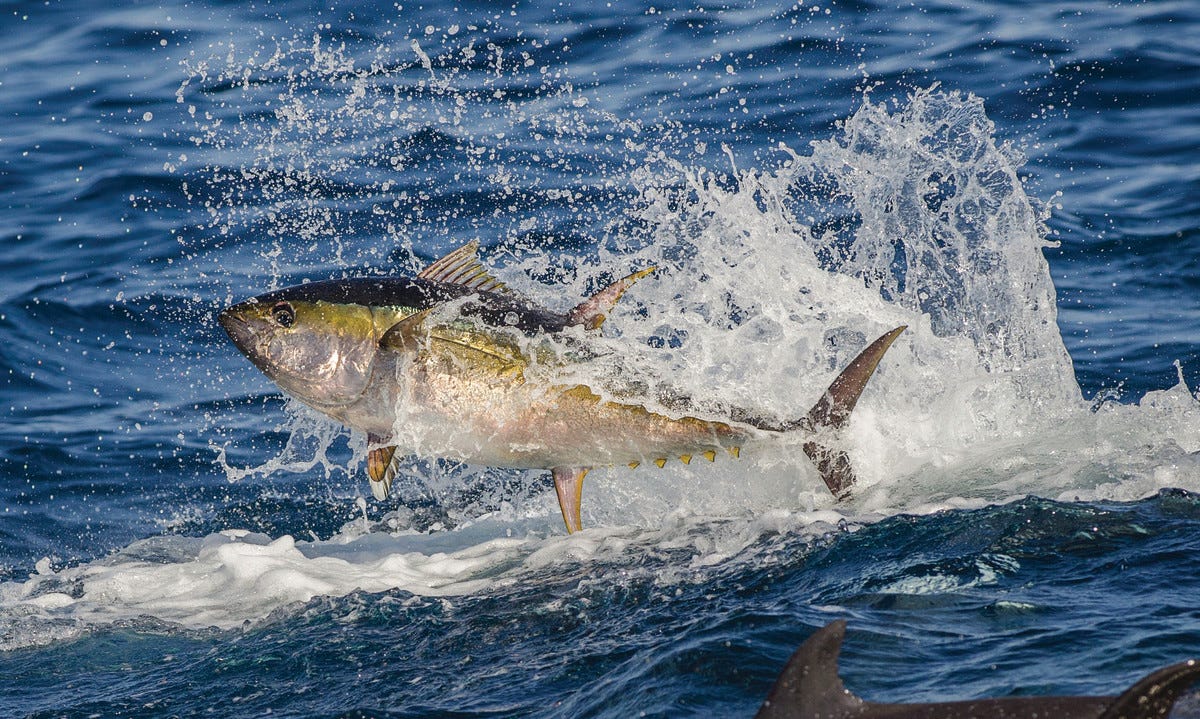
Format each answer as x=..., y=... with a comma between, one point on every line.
x=1153, y=696
x=809, y=686
x=832, y=411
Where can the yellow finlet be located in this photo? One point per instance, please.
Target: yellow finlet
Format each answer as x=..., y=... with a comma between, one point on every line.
x=685, y=458
x=710, y=455
x=634, y=465
x=660, y=462
x=735, y=451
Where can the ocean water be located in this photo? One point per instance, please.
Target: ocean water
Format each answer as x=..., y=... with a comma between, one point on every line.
x=1017, y=182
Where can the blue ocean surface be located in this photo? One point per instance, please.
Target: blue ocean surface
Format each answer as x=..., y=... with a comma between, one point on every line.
x=1017, y=182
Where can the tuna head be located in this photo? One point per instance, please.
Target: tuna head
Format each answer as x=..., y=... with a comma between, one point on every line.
x=319, y=352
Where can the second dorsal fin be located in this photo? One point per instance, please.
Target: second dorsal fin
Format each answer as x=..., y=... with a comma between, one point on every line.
x=462, y=267
x=591, y=312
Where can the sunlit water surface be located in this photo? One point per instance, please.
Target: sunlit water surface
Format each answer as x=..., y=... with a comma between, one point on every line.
x=1017, y=184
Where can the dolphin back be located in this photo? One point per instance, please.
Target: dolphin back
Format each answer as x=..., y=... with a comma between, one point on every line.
x=809, y=688
x=1155, y=695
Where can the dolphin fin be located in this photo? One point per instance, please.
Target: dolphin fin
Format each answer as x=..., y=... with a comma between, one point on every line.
x=568, y=484
x=381, y=467
x=832, y=411
x=462, y=267
x=809, y=685
x=1155, y=695
x=592, y=312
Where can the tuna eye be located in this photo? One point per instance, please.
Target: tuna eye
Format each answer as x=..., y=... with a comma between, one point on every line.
x=283, y=314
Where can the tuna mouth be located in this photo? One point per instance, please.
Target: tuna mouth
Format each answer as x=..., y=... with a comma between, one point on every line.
x=231, y=322
x=247, y=333
x=236, y=326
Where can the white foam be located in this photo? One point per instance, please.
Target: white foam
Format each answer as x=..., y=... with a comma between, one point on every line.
x=233, y=577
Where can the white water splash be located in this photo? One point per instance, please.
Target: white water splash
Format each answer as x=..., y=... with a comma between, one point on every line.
x=309, y=438
x=771, y=280
x=227, y=579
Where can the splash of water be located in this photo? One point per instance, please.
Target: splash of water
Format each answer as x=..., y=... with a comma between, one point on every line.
x=771, y=279
x=309, y=437
x=324, y=155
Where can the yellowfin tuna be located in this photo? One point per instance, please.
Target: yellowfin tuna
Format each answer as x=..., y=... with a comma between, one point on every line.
x=444, y=361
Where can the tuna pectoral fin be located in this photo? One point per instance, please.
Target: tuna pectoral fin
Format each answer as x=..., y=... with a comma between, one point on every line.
x=381, y=467
x=406, y=335
x=591, y=312
x=568, y=484
x=832, y=411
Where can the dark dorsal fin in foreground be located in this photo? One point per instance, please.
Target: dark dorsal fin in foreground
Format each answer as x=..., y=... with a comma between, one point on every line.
x=809, y=685
x=832, y=411
x=1153, y=696
x=809, y=688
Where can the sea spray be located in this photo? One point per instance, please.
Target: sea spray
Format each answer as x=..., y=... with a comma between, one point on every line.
x=770, y=278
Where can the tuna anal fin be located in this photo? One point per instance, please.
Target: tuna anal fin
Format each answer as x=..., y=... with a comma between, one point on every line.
x=381, y=467
x=592, y=312
x=809, y=685
x=568, y=484
x=832, y=411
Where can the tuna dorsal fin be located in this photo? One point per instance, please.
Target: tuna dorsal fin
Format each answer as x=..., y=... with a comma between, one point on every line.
x=462, y=267
x=592, y=312
x=381, y=466
x=405, y=334
x=809, y=686
x=832, y=411
x=1153, y=696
